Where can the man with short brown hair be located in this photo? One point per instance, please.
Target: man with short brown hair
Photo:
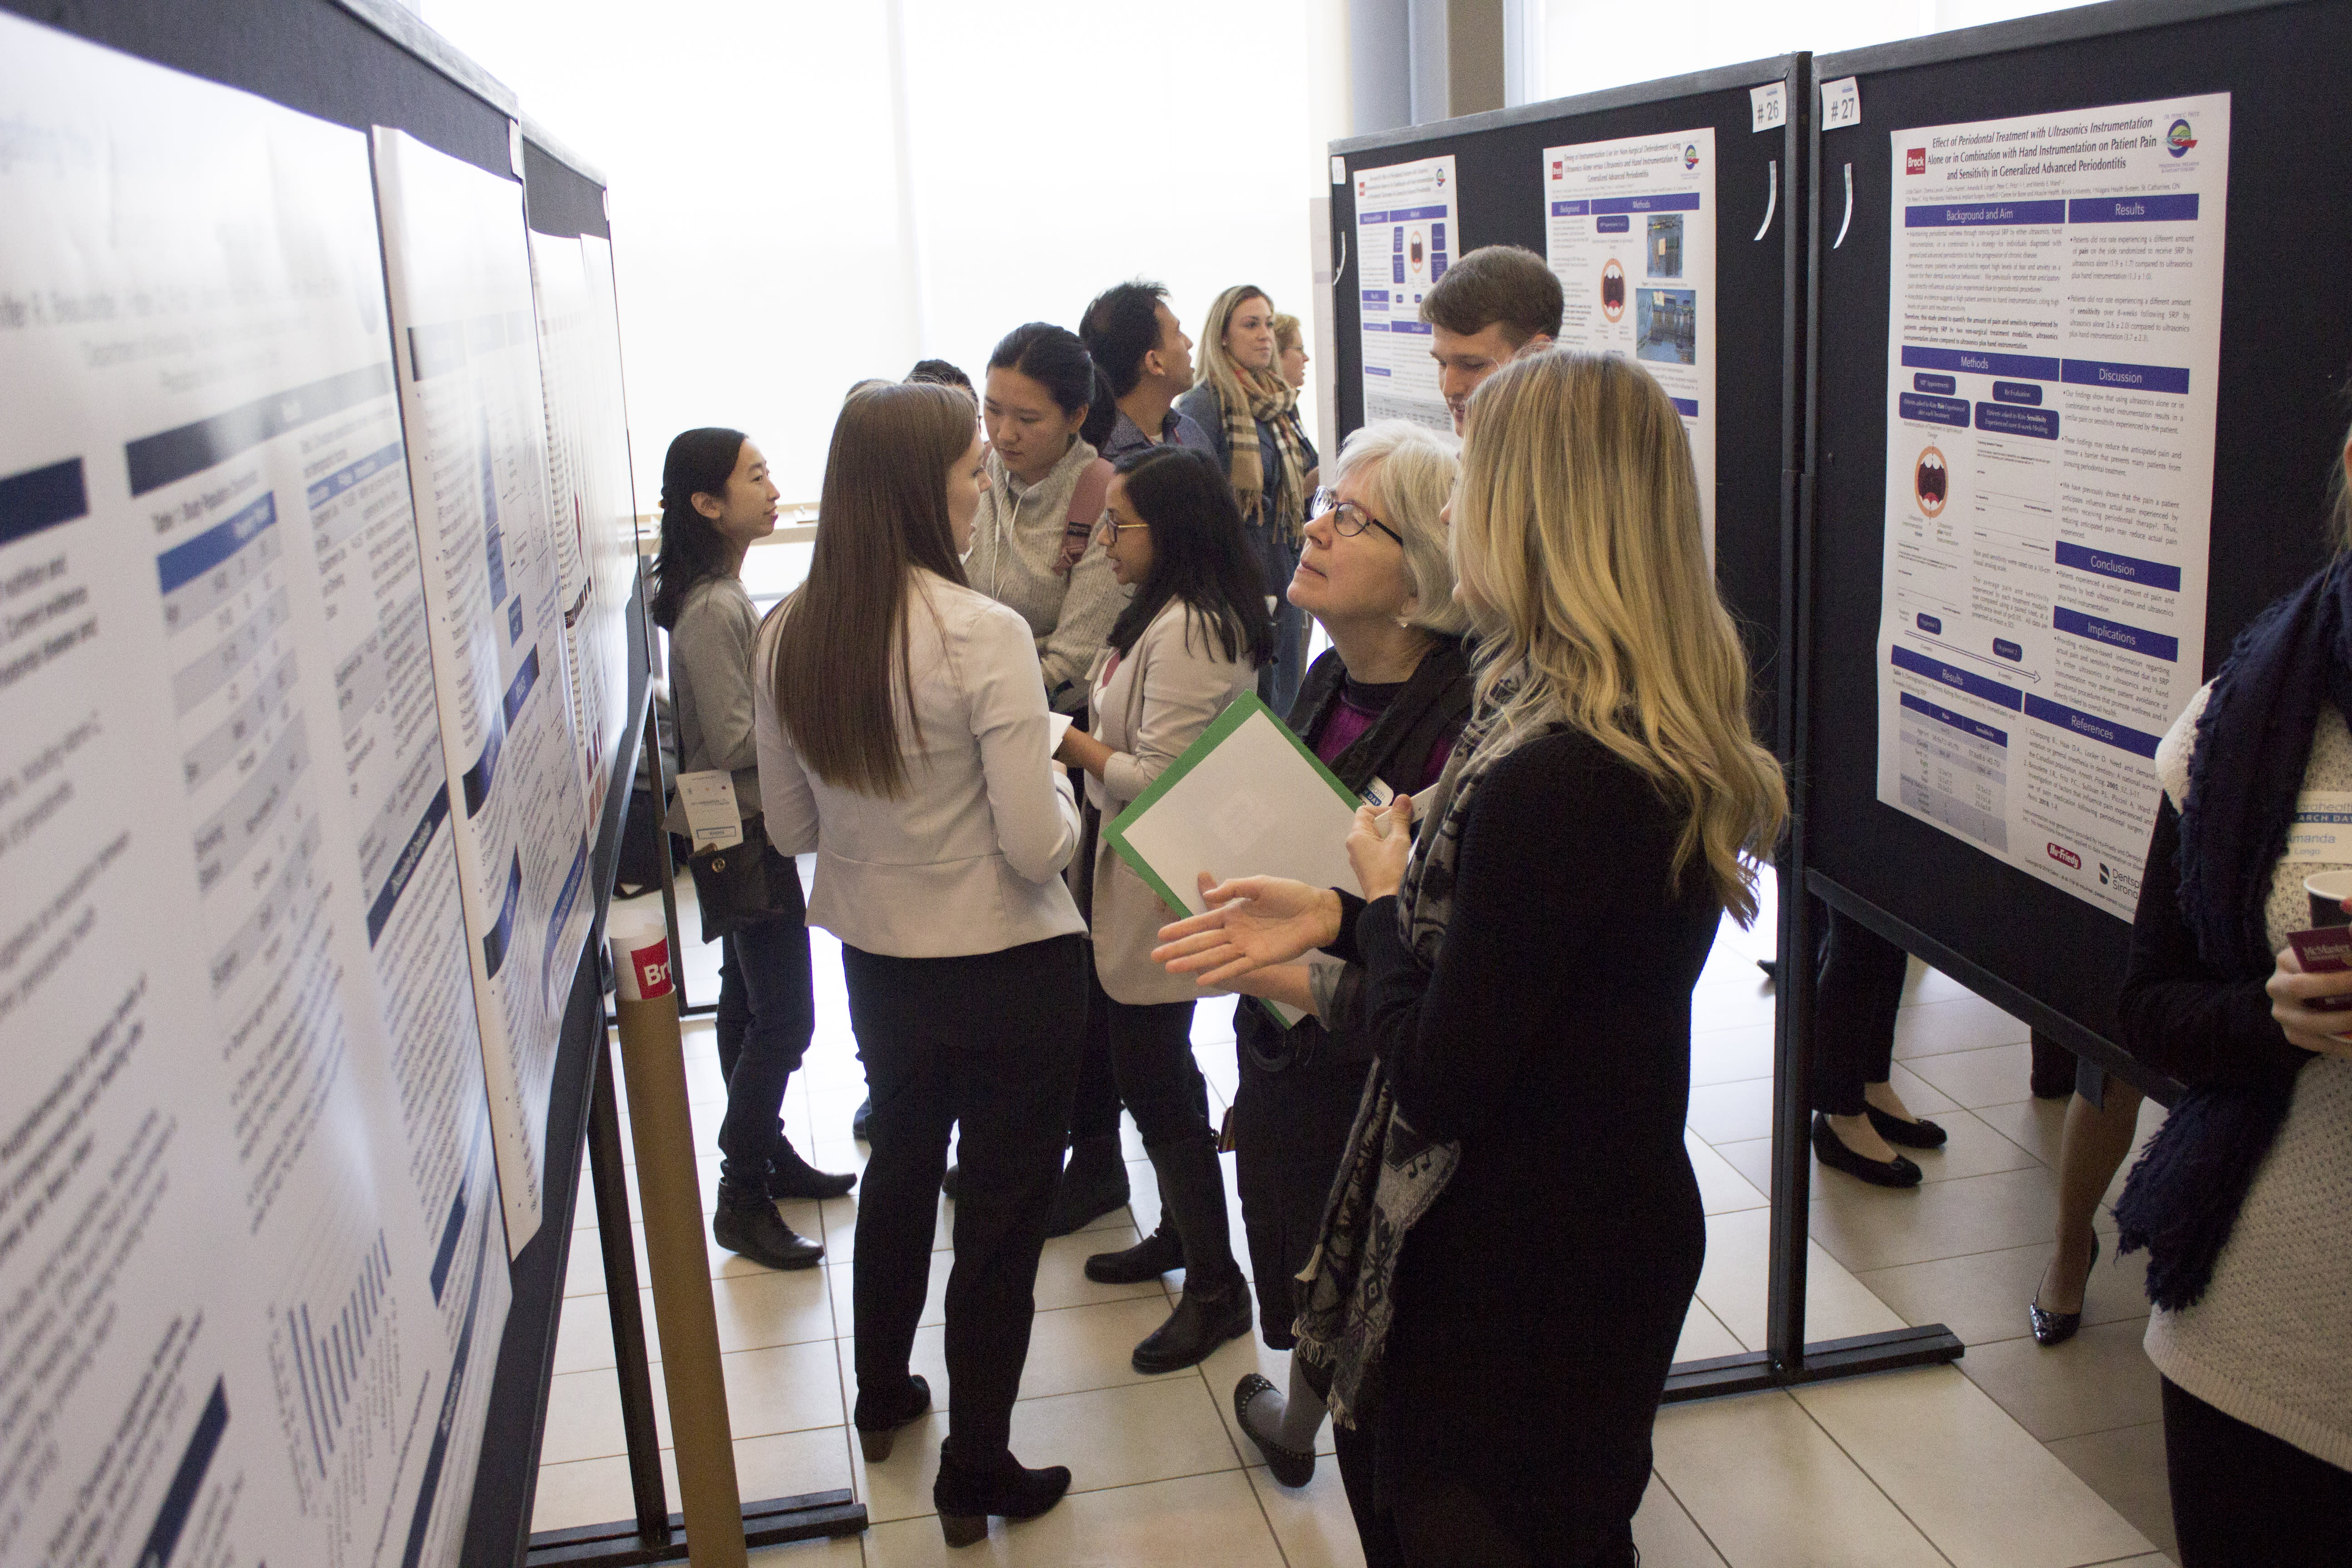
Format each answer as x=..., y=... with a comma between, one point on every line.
x=1491, y=306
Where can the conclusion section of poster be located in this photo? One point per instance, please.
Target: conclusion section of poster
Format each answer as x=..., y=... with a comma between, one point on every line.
x=466, y=346
x=1407, y=234
x=1630, y=227
x=2053, y=355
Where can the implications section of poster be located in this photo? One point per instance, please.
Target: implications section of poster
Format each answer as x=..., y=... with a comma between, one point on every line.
x=1629, y=226
x=1407, y=234
x=467, y=351
x=2053, y=346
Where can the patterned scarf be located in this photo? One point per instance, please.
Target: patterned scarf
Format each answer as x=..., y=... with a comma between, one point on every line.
x=1247, y=397
x=1391, y=1174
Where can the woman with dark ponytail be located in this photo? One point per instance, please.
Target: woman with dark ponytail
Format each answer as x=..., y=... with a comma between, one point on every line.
x=717, y=501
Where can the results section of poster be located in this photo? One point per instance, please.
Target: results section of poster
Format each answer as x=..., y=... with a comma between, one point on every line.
x=247, y=1245
x=2053, y=346
x=466, y=349
x=1629, y=226
x=1408, y=233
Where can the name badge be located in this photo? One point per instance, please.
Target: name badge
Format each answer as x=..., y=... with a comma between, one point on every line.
x=712, y=814
x=2322, y=830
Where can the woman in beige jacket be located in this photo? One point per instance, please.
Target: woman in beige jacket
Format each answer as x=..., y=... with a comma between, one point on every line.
x=1188, y=642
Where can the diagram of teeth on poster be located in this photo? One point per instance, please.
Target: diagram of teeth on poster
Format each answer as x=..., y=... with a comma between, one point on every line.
x=1612, y=289
x=1931, y=482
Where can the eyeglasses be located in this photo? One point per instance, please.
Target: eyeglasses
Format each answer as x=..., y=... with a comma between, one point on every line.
x=1347, y=517
x=1111, y=528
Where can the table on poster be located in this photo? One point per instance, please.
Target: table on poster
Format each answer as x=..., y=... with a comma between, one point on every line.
x=1407, y=234
x=473, y=409
x=2052, y=366
x=1629, y=226
x=248, y=1226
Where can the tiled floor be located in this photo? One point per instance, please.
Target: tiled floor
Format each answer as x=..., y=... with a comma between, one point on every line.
x=2015, y=1457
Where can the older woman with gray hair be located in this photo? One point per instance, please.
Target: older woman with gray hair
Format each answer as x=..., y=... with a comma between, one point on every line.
x=1381, y=709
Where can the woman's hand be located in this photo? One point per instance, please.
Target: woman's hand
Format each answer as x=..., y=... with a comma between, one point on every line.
x=1378, y=846
x=1253, y=922
x=2293, y=989
x=1284, y=982
x=1080, y=750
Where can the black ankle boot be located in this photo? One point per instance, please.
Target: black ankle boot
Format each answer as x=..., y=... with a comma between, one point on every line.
x=1202, y=1322
x=1147, y=1259
x=747, y=1223
x=878, y=1423
x=1093, y=1184
x=791, y=1176
x=966, y=1495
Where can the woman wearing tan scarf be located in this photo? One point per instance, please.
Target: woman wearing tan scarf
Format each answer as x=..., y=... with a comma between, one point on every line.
x=1251, y=415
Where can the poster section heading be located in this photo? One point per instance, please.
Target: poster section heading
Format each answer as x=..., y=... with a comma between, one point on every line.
x=248, y=1231
x=2053, y=349
x=1629, y=225
x=1408, y=232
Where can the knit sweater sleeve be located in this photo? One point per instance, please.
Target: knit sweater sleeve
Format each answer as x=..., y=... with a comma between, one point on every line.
x=1088, y=609
x=2177, y=1015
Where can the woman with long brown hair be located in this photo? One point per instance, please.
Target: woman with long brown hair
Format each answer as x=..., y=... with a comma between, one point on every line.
x=1251, y=414
x=904, y=737
x=1513, y=1238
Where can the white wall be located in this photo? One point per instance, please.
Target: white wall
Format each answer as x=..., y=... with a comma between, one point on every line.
x=1591, y=44
x=805, y=195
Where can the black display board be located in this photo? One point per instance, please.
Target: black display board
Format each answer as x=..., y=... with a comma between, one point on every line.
x=1499, y=164
x=2286, y=340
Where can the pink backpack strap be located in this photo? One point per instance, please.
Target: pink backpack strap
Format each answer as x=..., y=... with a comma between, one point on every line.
x=1086, y=503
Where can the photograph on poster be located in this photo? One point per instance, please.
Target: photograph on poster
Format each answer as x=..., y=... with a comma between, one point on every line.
x=2054, y=352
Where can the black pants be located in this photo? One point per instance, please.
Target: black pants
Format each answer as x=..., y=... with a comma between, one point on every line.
x=1151, y=1057
x=1290, y=1133
x=1094, y=1112
x=767, y=1011
x=1853, y=1014
x=991, y=1041
x=2240, y=1495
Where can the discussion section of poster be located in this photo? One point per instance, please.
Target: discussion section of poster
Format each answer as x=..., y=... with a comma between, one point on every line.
x=2053, y=345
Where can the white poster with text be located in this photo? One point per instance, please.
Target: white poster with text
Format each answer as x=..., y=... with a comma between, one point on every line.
x=1408, y=232
x=2053, y=348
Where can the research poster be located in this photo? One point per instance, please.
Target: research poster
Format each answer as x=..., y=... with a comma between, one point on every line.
x=1629, y=226
x=1408, y=233
x=225, y=1336
x=2053, y=345
x=473, y=412
x=609, y=488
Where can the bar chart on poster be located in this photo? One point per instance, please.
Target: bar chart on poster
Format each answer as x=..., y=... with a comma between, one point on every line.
x=246, y=1216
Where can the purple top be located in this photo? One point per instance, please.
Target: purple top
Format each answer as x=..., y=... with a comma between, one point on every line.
x=1358, y=708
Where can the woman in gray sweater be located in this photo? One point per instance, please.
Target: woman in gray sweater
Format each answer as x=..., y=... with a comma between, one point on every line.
x=717, y=501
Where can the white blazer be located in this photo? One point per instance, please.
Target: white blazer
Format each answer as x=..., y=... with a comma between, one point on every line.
x=970, y=859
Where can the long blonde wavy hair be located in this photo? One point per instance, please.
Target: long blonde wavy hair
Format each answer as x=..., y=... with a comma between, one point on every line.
x=1578, y=542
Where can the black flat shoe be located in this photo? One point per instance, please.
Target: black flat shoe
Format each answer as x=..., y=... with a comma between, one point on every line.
x=1920, y=1135
x=965, y=1496
x=749, y=1224
x=1147, y=1259
x=2057, y=1328
x=1092, y=1185
x=1288, y=1466
x=878, y=1430
x=1896, y=1173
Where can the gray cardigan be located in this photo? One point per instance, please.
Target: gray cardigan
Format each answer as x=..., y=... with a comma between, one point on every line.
x=710, y=685
x=1016, y=541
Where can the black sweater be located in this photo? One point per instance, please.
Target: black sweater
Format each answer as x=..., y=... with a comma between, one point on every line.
x=1552, y=1041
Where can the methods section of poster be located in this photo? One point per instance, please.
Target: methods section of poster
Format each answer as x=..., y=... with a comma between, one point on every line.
x=473, y=409
x=1408, y=232
x=1629, y=226
x=245, y=1224
x=2053, y=351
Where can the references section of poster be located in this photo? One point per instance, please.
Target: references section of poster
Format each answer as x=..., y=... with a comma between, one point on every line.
x=1629, y=228
x=466, y=340
x=2053, y=351
x=1407, y=234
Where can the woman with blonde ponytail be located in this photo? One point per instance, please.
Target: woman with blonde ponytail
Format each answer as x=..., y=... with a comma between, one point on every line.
x=1513, y=1238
